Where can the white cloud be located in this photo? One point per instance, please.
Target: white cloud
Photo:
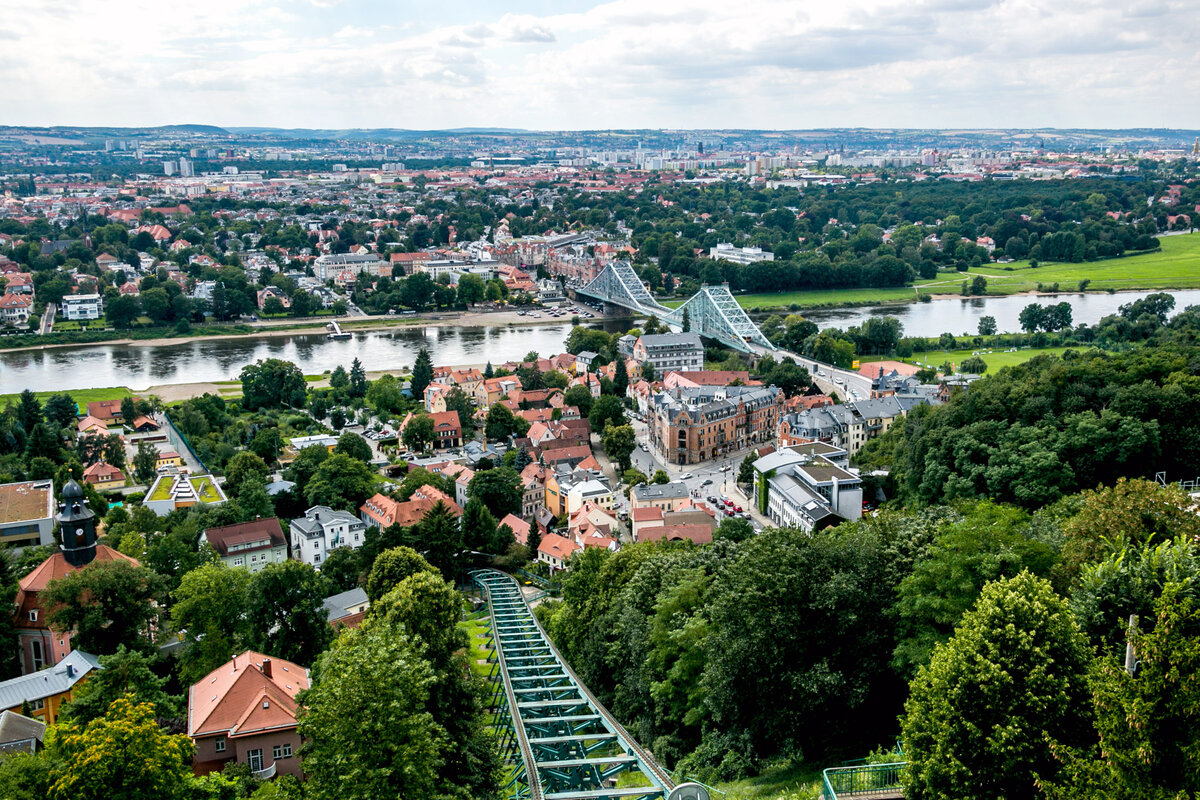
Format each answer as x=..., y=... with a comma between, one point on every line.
x=671, y=63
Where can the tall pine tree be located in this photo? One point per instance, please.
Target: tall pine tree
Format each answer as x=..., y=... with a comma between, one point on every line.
x=422, y=374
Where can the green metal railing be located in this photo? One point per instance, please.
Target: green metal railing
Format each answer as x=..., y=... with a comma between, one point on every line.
x=863, y=779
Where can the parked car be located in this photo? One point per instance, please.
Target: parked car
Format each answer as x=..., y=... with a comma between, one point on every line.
x=738, y=509
x=687, y=476
x=729, y=512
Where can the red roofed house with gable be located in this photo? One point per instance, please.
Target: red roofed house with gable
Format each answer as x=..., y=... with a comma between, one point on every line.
x=245, y=711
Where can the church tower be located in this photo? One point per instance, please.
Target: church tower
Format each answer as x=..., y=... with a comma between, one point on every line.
x=77, y=526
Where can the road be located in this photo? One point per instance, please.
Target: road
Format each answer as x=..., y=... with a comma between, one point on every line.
x=48, y=319
x=710, y=479
x=848, y=384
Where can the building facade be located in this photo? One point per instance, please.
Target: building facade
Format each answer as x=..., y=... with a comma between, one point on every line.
x=670, y=352
x=320, y=530
x=692, y=425
x=248, y=545
x=82, y=307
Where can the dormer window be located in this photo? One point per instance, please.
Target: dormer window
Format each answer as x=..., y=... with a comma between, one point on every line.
x=33, y=615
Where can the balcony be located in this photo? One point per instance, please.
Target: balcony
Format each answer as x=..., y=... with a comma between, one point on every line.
x=264, y=774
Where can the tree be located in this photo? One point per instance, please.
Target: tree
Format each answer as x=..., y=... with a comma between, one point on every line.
x=125, y=673
x=1031, y=317
x=687, y=321
x=502, y=423
x=338, y=379
x=619, y=442
x=418, y=433
x=393, y=566
x=272, y=383
x=975, y=365
x=394, y=751
x=123, y=310
x=987, y=325
x=340, y=482
x=122, y=754
x=1147, y=723
x=267, y=444
x=659, y=477
x=620, y=377
x=355, y=446
x=605, y=411
x=61, y=410
x=746, y=469
x=342, y=567
x=209, y=615
x=580, y=397
x=107, y=604
x=499, y=489
x=478, y=526
x=979, y=285
x=243, y=467
x=439, y=537
x=29, y=411
x=470, y=289
x=422, y=374
x=1012, y=676
x=286, y=614
x=358, y=379
x=734, y=530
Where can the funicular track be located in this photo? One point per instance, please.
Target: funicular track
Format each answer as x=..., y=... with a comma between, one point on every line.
x=562, y=744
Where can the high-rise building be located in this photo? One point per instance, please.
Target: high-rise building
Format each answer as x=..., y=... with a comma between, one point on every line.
x=186, y=170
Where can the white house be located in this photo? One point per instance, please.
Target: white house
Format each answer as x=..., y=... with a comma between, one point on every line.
x=82, y=307
x=320, y=530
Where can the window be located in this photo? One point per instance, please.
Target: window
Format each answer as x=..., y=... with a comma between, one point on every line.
x=237, y=562
x=317, y=558
x=33, y=615
x=254, y=759
x=35, y=650
x=282, y=751
x=219, y=744
x=38, y=705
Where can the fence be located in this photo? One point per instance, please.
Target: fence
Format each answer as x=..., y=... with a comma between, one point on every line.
x=865, y=779
x=181, y=443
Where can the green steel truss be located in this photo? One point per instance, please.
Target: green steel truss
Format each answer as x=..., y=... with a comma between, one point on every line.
x=559, y=741
x=712, y=311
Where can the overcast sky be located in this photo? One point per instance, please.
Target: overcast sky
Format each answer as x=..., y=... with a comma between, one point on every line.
x=572, y=64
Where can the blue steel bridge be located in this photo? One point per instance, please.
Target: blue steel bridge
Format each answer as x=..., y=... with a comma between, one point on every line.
x=712, y=311
x=558, y=741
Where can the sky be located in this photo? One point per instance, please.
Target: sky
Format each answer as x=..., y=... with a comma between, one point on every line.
x=572, y=64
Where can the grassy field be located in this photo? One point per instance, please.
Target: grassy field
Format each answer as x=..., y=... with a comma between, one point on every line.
x=1175, y=266
x=995, y=359
x=81, y=396
x=776, y=783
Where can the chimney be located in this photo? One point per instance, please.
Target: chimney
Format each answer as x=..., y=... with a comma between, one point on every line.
x=266, y=667
x=70, y=670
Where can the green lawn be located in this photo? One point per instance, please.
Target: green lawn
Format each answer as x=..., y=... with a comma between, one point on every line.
x=775, y=783
x=81, y=396
x=996, y=358
x=1175, y=266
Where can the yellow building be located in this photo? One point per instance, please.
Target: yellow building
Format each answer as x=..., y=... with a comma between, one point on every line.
x=45, y=691
x=168, y=458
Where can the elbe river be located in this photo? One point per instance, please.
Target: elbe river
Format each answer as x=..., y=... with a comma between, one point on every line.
x=140, y=367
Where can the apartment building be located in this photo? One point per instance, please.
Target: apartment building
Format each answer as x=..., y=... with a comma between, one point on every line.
x=694, y=424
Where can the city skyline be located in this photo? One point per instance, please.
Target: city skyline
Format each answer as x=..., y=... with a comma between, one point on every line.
x=586, y=65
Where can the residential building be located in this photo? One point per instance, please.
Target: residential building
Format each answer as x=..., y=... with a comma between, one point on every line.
x=169, y=492
x=20, y=734
x=47, y=689
x=725, y=251
x=104, y=477
x=555, y=551
x=320, y=530
x=447, y=430
x=798, y=488
x=347, y=609
x=27, y=513
x=245, y=711
x=584, y=359
x=490, y=391
x=697, y=534
x=78, y=307
x=248, y=545
x=380, y=511
x=107, y=411
x=39, y=645
x=670, y=352
x=691, y=425
x=15, y=308
x=329, y=266
x=667, y=496
x=168, y=458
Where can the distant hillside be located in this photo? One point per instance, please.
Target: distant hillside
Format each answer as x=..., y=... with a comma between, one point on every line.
x=369, y=134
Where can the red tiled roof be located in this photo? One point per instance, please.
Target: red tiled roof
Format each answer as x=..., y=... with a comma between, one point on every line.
x=239, y=698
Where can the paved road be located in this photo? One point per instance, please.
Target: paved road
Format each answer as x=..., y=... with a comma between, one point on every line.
x=48, y=319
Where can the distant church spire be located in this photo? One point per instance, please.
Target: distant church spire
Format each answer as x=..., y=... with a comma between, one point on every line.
x=77, y=526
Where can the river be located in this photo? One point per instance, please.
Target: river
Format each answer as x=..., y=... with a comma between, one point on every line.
x=201, y=361
x=961, y=316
